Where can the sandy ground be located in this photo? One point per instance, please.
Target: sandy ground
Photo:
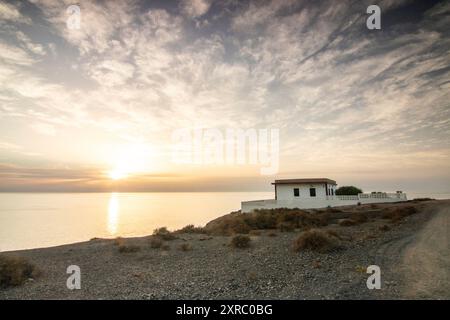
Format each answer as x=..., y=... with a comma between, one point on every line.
x=426, y=260
x=413, y=256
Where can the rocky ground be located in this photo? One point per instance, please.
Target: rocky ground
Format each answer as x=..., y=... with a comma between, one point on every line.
x=268, y=269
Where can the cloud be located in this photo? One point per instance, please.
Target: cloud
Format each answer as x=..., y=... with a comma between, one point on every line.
x=35, y=48
x=44, y=128
x=9, y=146
x=341, y=95
x=11, y=13
x=195, y=8
x=111, y=72
x=14, y=55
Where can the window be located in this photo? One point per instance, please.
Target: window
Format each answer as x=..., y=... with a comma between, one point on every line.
x=332, y=192
x=312, y=192
x=296, y=192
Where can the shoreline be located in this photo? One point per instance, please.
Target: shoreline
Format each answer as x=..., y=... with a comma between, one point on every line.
x=211, y=269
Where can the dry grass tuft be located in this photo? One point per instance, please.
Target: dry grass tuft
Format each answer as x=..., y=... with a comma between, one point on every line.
x=333, y=233
x=286, y=219
x=347, y=223
x=185, y=247
x=396, y=214
x=359, y=217
x=190, y=228
x=360, y=269
x=286, y=227
x=255, y=233
x=252, y=276
x=119, y=241
x=315, y=240
x=164, y=234
x=123, y=248
x=240, y=241
x=14, y=271
x=155, y=243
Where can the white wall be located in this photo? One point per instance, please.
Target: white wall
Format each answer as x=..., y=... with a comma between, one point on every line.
x=248, y=206
x=286, y=191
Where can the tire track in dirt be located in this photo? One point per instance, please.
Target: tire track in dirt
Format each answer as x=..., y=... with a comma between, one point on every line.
x=426, y=262
x=414, y=264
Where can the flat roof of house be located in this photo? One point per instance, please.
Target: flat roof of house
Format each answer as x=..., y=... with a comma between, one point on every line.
x=304, y=181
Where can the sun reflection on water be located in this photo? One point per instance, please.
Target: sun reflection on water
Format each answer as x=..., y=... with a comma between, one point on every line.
x=113, y=214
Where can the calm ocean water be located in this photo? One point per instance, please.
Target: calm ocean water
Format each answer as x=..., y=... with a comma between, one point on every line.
x=34, y=220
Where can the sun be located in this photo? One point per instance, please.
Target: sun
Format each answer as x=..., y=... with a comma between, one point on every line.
x=129, y=160
x=116, y=174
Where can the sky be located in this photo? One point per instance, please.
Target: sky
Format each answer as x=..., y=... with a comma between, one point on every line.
x=94, y=106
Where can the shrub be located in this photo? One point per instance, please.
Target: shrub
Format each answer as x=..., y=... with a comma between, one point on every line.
x=240, y=241
x=396, y=214
x=190, y=228
x=252, y=276
x=164, y=234
x=185, y=247
x=422, y=199
x=156, y=243
x=348, y=191
x=315, y=240
x=229, y=225
x=243, y=223
x=384, y=227
x=118, y=241
x=204, y=238
x=165, y=247
x=128, y=248
x=255, y=233
x=286, y=227
x=347, y=223
x=360, y=269
x=333, y=233
x=15, y=270
x=358, y=217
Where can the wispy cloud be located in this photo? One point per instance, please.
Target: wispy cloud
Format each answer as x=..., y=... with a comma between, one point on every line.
x=10, y=12
x=342, y=96
x=195, y=8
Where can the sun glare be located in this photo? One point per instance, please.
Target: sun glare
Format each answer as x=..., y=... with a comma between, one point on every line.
x=117, y=174
x=129, y=160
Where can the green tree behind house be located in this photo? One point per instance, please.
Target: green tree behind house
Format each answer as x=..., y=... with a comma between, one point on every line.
x=348, y=191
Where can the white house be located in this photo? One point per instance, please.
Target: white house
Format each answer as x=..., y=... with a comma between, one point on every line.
x=315, y=193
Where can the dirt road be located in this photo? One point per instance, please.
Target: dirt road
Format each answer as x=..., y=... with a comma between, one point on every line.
x=426, y=261
x=416, y=265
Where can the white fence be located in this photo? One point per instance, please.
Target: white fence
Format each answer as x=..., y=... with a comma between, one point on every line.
x=382, y=195
x=342, y=198
x=328, y=201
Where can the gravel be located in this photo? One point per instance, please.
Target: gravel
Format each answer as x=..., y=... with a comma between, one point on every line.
x=269, y=269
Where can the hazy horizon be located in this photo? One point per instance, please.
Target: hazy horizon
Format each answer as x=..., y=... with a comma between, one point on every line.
x=94, y=108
